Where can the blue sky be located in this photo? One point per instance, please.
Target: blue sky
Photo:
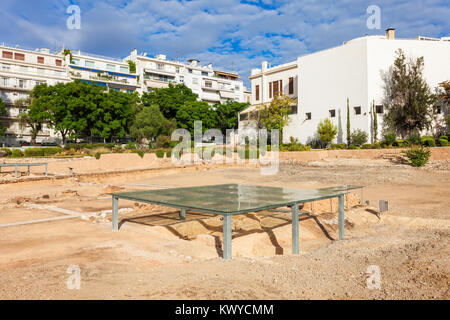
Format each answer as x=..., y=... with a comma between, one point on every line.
x=233, y=35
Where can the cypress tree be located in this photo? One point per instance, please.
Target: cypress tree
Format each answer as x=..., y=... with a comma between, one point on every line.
x=348, y=123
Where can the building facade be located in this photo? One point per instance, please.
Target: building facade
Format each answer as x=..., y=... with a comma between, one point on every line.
x=211, y=85
x=355, y=70
x=21, y=70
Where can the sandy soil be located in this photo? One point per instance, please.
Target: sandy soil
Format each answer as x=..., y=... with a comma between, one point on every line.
x=155, y=256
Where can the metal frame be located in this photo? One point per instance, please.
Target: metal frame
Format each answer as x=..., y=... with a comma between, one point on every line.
x=16, y=165
x=227, y=220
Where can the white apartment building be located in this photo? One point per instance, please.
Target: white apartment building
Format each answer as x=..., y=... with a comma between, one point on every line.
x=266, y=83
x=114, y=74
x=20, y=70
x=356, y=70
x=212, y=86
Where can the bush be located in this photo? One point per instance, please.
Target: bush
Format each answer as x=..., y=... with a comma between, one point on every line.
x=16, y=153
x=34, y=152
x=51, y=151
x=428, y=141
x=8, y=151
x=367, y=146
x=414, y=138
x=443, y=137
x=389, y=138
x=377, y=145
x=98, y=155
x=132, y=146
x=169, y=154
x=418, y=155
x=246, y=154
x=163, y=141
x=141, y=153
x=358, y=137
x=401, y=143
x=160, y=153
x=443, y=142
x=353, y=147
x=338, y=146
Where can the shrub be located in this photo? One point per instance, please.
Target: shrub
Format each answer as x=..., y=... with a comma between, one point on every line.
x=132, y=146
x=169, y=154
x=414, y=138
x=51, y=151
x=428, y=141
x=389, y=138
x=367, y=146
x=163, y=141
x=141, y=153
x=377, y=145
x=353, y=147
x=443, y=137
x=418, y=155
x=34, y=152
x=8, y=151
x=245, y=154
x=401, y=143
x=358, y=137
x=339, y=146
x=98, y=155
x=160, y=153
x=443, y=142
x=16, y=153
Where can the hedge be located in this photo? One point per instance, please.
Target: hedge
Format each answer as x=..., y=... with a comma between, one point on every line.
x=428, y=141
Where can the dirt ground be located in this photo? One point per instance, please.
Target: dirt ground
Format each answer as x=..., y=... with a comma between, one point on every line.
x=156, y=256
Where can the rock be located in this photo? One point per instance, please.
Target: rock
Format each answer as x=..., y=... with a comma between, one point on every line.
x=45, y=196
x=3, y=154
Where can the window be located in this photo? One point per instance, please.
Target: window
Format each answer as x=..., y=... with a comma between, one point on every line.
x=190, y=70
x=4, y=82
x=332, y=113
x=129, y=91
x=204, y=73
x=177, y=69
x=110, y=67
x=291, y=85
x=22, y=83
x=39, y=82
x=159, y=66
x=194, y=80
x=257, y=92
x=6, y=67
x=237, y=87
x=58, y=62
x=308, y=116
x=270, y=90
x=243, y=116
x=40, y=59
x=89, y=64
x=293, y=110
x=19, y=56
x=379, y=109
x=275, y=88
x=181, y=79
x=357, y=110
x=123, y=69
x=7, y=54
x=75, y=62
x=208, y=84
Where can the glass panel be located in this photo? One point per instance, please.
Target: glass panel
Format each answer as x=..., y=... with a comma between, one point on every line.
x=89, y=64
x=124, y=69
x=110, y=67
x=229, y=198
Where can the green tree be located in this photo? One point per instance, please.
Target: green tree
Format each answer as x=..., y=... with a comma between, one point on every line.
x=150, y=123
x=2, y=113
x=132, y=66
x=375, y=122
x=348, y=124
x=358, y=137
x=196, y=111
x=228, y=114
x=35, y=116
x=276, y=114
x=410, y=104
x=327, y=131
x=169, y=99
